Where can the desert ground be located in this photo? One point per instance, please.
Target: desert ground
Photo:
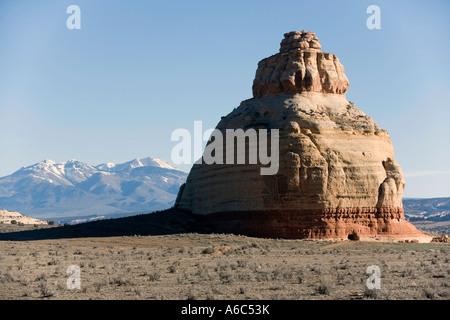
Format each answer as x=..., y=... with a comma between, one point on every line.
x=219, y=266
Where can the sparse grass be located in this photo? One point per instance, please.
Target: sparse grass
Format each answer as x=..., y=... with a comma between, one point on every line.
x=195, y=266
x=430, y=292
x=45, y=289
x=154, y=276
x=323, y=289
x=119, y=281
x=208, y=250
x=172, y=268
x=6, y=278
x=99, y=285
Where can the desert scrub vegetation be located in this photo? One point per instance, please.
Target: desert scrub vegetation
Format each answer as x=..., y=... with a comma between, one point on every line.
x=219, y=266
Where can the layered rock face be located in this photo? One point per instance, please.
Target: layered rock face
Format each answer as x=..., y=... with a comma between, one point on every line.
x=300, y=67
x=337, y=175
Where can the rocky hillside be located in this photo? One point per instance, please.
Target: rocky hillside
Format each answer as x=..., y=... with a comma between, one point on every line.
x=435, y=209
x=432, y=215
x=7, y=217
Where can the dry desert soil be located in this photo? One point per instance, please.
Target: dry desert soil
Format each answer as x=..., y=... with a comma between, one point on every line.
x=191, y=265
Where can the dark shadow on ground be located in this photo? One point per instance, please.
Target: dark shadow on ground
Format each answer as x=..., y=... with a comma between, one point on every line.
x=171, y=221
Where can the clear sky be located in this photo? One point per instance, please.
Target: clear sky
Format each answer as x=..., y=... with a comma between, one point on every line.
x=137, y=70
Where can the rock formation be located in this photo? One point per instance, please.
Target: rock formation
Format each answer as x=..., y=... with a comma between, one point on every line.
x=300, y=67
x=337, y=175
x=8, y=216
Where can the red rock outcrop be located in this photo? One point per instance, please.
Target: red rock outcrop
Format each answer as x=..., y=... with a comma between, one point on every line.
x=337, y=175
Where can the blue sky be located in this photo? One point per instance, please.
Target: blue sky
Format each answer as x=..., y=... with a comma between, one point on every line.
x=137, y=70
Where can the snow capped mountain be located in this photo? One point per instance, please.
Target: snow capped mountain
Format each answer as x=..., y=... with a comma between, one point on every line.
x=136, y=163
x=66, y=173
x=74, y=188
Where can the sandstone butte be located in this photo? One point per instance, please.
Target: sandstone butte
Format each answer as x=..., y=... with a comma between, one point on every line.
x=337, y=175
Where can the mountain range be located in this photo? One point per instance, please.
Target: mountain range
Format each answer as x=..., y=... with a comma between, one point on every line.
x=432, y=215
x=433, y=209
x=76, y=190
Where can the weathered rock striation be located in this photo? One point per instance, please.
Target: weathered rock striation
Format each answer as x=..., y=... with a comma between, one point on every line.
x=337, y=175
x=300, y=67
